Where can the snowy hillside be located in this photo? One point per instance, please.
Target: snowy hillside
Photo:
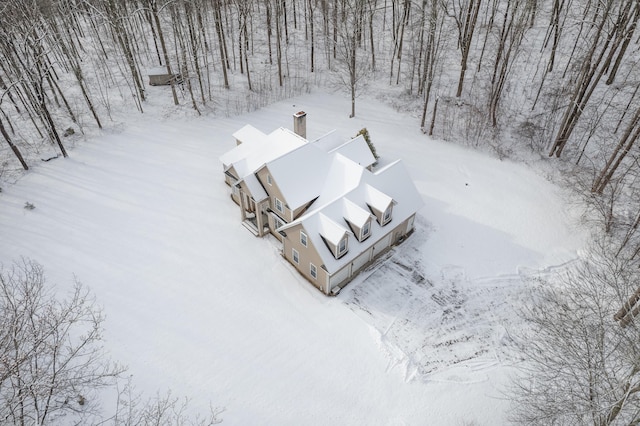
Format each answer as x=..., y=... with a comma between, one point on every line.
x=197, y=304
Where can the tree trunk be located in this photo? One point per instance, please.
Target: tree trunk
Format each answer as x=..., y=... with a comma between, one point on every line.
x=465, y=41
x=14, y=148
x=311, y=18
x=154, y=13
x=221, y=43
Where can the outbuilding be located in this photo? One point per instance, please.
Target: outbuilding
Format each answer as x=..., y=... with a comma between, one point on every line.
x=158, y=76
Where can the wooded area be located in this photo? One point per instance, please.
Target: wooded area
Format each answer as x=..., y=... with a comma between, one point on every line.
x=557, y=78
x=558, y=74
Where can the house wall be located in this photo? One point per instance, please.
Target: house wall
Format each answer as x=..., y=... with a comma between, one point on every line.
x=273, y=226
x=230, y=181
x=307, y=254
x=297, y=212
x=249, y=204
x=397, y=233
x=273, y=191
x=356, y=230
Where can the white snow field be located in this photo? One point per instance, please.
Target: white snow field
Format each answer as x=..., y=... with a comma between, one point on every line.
x=196, y=304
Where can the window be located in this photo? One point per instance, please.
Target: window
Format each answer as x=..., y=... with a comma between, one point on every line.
x=269, y=181
x=278, y=223
x=342, y=246
x=387, y=215
x=303, y=238
x=364, y=232
x=313, y=271
x=296, y=256
x=279, y=206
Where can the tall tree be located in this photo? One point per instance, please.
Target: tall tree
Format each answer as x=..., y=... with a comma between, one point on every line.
x=592, y=69
x=466, y=18
x=581, y=366
x=51, y=358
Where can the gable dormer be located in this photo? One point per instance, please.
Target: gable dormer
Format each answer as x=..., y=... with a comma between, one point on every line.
x=380, y=204
x=335, y=236
x=358, y=219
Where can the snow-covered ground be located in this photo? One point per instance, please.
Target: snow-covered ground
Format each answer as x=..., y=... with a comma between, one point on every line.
x=195, y=303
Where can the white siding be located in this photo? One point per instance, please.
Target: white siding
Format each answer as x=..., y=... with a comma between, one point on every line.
x=339, y=277
x=381, y=245
x=360, y=261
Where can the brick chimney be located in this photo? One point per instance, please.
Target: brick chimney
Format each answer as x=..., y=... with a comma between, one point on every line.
x=300, y=124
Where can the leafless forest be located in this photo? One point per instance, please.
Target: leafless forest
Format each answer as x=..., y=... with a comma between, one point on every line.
x=554, y=78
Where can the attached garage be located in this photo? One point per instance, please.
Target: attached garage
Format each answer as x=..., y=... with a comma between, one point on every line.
x=339, y=277
x=381, y=245
x=360, y=261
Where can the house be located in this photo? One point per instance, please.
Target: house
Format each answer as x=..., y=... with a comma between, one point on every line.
x=333, y=212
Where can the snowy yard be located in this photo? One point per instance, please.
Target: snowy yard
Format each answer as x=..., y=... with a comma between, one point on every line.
x=196, y=303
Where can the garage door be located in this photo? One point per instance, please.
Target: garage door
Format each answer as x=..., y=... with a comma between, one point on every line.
x=360, y=261
x=410, y=224
x=381, y=245
x=339, y=277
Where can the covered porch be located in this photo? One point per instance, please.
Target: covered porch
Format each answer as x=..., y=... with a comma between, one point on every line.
x=254, y=214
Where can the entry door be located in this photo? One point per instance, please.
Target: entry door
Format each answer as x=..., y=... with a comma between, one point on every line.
x=248, y=202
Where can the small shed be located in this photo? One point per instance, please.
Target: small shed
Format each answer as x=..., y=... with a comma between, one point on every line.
x=158, y=76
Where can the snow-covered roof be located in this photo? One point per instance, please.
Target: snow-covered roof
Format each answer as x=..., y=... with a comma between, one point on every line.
x=304, y=172
x=300, y=174
x=356, y=150
x=355, y=214
x=391, y=183
x=376, y=198
x=255, y=187
x=249, y=134
x=157, y=71
x=329, y=141
x=343, y=176
x=330, y=230
x=235, y=155
x=253, y=155
x=334, y=174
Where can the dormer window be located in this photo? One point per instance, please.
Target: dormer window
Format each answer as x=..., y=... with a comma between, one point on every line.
x=365, y=231
x=386, y=216
x=342, y=247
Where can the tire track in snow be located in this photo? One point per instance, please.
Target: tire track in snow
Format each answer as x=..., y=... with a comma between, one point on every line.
x=426, y=324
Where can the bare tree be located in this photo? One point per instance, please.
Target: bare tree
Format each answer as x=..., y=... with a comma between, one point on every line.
x=514, y=24
x=13, y=146
x=51, y=356
x=351, y=69
x=222, y=44
x=162, y=409
x=52, y=362
x=431, y=50
x=619, y=153
x=155, y=13
x=466, y=17
x=594, y=65
x=582, y=367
